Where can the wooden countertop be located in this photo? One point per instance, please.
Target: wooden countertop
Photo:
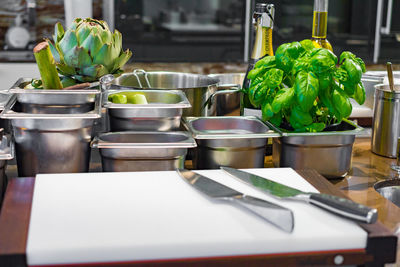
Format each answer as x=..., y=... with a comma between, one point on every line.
x=367, y=169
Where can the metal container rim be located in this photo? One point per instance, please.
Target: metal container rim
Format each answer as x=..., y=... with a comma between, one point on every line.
x=184, y=103
x=7, y=113
x=186, y=143
x=380, y=88
x=214, y=81
x=188, y=121
x=15, y=89
x=358, y=130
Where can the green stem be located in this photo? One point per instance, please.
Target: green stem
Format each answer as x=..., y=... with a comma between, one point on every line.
x=47, y=66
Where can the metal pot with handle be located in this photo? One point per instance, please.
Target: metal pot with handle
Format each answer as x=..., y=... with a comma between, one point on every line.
x=199, y=89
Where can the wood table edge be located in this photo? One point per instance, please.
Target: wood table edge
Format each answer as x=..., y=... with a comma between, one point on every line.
x=14, y=221
x=381, y=243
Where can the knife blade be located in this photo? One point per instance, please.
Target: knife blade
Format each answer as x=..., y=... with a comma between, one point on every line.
x=277, y=215
x=340, y=206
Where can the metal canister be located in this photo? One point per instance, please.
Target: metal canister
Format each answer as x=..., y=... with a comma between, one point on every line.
x=386, y=121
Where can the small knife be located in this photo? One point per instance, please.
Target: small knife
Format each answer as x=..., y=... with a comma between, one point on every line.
x=275, y=214
x=340, y=206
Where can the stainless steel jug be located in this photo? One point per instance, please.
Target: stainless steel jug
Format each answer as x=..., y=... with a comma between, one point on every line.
x=386, y=121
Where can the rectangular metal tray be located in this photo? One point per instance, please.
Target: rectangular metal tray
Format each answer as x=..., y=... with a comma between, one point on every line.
x=11, y=112
x=143, y=151
x=162, y=113
x=236, y=141
x=228, y=127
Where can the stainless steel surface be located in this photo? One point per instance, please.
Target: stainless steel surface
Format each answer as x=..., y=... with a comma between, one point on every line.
x=197, y=88
x=389, y=189
x=327, y=152
x=229, y=141
x=143, y=151
x=369, y=81
x=275, y=214
x=51, y=143
x=162, y=113
x=5, y=124
x=386, y=121
x=337, y=205
x=48, y=101
x=228, y=102
x=6, y=153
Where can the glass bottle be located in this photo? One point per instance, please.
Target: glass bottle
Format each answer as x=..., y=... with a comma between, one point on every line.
x=320, y=24
x=263, y=21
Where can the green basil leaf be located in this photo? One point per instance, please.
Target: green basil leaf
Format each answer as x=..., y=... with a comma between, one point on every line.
x=283, y=59
x=353, y=70
x=299, y=118
x=359, y=94
x=315, y=127
x=326, y=99
x=325, y=80
x=284, y=98
x=266, y=62
x=307, y=44
x=340, y=74
x=341, y=103
x=361, y=63
x=276, y=119
x=295, y=50
x=306, y=89
x=257, y=94
x=255, y=73
x=322, y=62
x=301, y=64
x=346, y=55
x=266, y=111
x=273, y=78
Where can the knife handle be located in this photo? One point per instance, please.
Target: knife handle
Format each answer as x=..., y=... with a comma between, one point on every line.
x=275, y=214
x=344, y=207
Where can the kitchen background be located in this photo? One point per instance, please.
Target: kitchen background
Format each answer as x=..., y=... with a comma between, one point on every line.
x=204, y=30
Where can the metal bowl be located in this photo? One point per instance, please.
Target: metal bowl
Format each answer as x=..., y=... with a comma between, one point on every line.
x=199, y=89
x=389, y=189
x=143, y=151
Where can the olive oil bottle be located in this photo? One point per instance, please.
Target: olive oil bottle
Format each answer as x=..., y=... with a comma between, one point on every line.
x=320, y=24
x=263, y=21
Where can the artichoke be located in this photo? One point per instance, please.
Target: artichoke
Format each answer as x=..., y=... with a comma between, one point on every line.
x=88, y=50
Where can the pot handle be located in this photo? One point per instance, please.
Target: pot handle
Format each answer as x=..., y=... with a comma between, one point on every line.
x=95, y=142
x=223, y=89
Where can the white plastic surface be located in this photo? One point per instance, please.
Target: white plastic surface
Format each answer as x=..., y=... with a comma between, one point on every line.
x=106, y=217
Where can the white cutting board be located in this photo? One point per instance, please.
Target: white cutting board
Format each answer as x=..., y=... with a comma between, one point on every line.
x=106, y=217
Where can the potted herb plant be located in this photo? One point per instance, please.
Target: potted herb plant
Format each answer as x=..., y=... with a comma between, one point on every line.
x=304, y=92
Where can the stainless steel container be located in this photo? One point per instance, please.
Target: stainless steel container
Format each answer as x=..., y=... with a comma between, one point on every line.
x=6, y=153
x=199, y=89
x=162, y=113
x=328, y=152
x=51, y=143
x=389, y=189
x=236, y=141
x=228, y=102
x=49, y=101
x=386, y=121
x=143, y=151
x=5, y=124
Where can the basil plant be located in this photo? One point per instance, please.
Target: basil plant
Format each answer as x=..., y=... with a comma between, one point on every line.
x=306, y=88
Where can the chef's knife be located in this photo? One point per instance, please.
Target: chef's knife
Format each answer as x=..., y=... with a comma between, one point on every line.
x=275, y=214
x=340, y=206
